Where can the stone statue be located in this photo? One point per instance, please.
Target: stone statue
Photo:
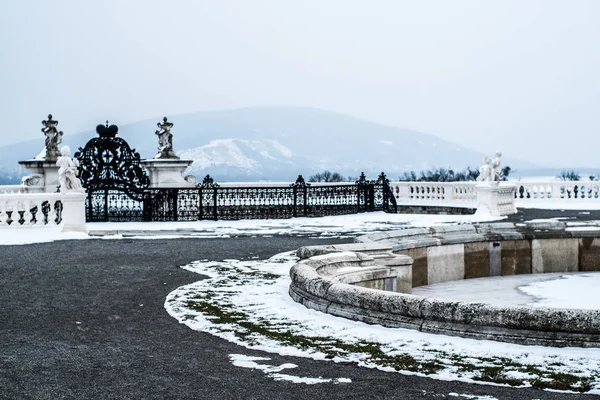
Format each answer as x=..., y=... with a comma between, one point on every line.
x=496, y=167
x=485, y=171
x=67, y=172
x=165, y=140
x=53, y=138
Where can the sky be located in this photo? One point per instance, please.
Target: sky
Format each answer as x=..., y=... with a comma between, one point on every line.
x=518, y=76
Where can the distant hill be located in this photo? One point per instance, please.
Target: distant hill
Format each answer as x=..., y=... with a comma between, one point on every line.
x=277, y=143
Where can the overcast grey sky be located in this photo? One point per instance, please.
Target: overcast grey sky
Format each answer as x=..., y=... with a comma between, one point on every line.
x=521, y=76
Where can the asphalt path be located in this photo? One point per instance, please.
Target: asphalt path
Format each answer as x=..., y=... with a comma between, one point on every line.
x=85, y=320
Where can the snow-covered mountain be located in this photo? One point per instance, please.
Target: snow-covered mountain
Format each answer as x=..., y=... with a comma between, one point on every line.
x=279, y=143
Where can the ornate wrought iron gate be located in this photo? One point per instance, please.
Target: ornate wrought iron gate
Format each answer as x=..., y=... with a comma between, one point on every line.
x=118, y=190
x=113, y=177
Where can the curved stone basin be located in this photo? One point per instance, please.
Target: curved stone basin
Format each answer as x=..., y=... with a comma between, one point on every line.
x=337, y=284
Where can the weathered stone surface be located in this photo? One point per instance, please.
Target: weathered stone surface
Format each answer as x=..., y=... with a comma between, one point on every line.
x=589, y=254
x=462, y=238
x=453, y=229
x=366, y=248
x=417, y=241
x=477, y=260
x=445, y=263
x=419, y=266
x=495, y=252
x=554, y=255
x=516, y=257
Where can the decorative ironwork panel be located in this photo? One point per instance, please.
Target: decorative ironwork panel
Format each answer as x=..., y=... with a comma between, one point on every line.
x=210, y=201
x=113, y=205
x=111, y=173
x=331, y=200
x=188, y=204
x=254, y=203
x=160, y=204
x=107, y=162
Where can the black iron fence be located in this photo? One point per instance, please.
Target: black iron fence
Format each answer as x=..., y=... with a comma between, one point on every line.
x=211, y=201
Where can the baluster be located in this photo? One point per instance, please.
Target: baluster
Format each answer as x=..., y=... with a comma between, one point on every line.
x=51, y=212
x=39, y=215
x=3, y=214
x=27, y=215
x=10, y=212
x=18, y=214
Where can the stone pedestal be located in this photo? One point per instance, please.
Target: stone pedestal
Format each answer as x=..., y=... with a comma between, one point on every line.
x=497, y=198
x=166, y=173
x=73, y=213
x=44, y=175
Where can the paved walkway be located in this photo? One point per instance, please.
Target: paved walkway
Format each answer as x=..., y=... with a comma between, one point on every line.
x=85, y=320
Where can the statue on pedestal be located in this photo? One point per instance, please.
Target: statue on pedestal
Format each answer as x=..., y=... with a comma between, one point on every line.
x=68, y=171
x=165, y=140
x=485, y=171
x=53, y=138
x=496, y=170
x=490, y=171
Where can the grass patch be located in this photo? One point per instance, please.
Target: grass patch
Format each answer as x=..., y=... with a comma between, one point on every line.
x=217, y=304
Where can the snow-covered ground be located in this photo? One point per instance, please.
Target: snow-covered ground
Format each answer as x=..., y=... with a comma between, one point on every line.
x=334, y=226
x=247, y=302
x=549, y=204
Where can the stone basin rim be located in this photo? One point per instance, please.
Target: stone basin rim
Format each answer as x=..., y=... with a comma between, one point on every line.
x=518, y=324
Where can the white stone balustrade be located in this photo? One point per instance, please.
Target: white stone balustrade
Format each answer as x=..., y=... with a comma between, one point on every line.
x=23, y=210
x=558, y=190
x=464, y=194
x=458, y=194
x=8, y=189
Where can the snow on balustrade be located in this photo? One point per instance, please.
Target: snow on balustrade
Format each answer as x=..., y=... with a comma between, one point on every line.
x=29, y=209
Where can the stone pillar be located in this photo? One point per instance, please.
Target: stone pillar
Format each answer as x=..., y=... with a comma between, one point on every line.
x=73, y=212
x=167, y=172
x=44, y=175
x=496, y=198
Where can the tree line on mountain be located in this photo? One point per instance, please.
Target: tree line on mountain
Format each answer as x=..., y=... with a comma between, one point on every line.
x=573, y=175
x=448, y=175
x=328, y=176
x=430, y=175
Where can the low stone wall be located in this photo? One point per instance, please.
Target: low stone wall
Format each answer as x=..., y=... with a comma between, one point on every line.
x=451, y=253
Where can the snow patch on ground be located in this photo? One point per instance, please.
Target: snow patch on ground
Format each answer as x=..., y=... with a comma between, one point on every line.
x=553, y=204
x=42, y=234
x=333, y=226
x=472, y=396
x=326, y=227
x=569, y=291
x=273, y=371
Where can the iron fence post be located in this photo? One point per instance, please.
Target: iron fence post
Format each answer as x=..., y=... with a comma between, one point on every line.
x=215, y=214
x=200, y=206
